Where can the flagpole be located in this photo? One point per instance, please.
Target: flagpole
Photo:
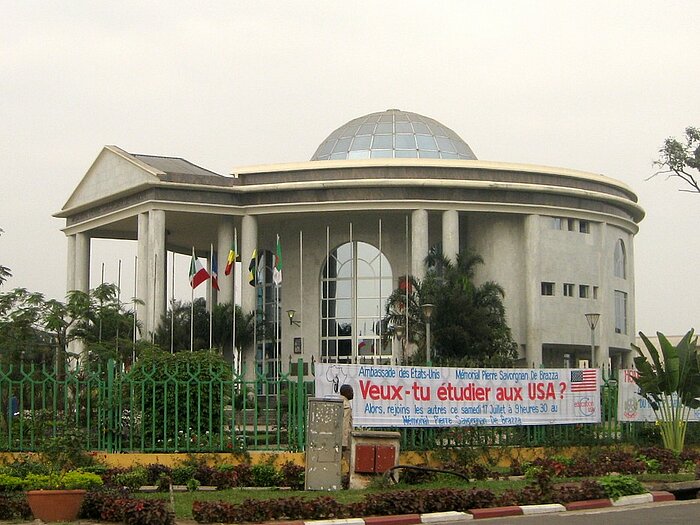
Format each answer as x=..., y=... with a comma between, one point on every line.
x=172, y=307
x=136, y=280
x=254, y=257
x=301, y=284
x=153, y=310
x=406, y=284
x=234, y=353
x=192, y=311
x=102, y=282
x=119, y=301
x=379, y=346
x=211, y=293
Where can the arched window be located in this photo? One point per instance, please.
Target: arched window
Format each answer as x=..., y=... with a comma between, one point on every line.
x=620, y=263
x=355, y=284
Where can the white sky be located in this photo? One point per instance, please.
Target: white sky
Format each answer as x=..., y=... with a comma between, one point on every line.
x=594, y=85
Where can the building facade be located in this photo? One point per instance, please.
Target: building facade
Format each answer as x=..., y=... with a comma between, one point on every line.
x=378, y=193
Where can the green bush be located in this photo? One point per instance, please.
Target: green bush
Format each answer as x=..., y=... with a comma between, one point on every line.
x=172, y=413
x=9, y=483
x=74, y=479
x=618, y=486
x=265, y=475
x=132, y=479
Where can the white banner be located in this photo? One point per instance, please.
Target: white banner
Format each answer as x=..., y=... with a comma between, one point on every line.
x=404, y=396
x=633, y=407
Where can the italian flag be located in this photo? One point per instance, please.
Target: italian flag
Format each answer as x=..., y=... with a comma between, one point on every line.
x=197, y=273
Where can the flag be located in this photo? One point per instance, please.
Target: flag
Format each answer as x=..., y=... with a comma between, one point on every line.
x=252, y=267
x=215, y=271
x=584, y=380
x=232, y=254
x=261, y=268
x=197, y=273
x=230, y=261
x=277, y=270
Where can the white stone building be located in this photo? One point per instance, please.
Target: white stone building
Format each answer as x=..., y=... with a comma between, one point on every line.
x=377, y=194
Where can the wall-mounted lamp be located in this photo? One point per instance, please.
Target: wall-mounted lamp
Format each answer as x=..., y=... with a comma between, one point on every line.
x=292, y=321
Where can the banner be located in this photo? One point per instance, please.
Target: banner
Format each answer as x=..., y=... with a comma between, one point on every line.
x=406, y=396
x=633, y=407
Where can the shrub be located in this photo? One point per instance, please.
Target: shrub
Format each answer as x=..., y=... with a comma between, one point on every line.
x=131, y=479
x=244, y=475
x=292, y=475
x=10, y=483
x=224, y=477
x=662, y=459
x=265, y=475
x=181, y=475
x=14, y=507
x=617, y=486
x=155, y=471
x=95, y=501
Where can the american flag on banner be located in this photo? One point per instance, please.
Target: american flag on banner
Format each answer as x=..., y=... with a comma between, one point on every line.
x=584, y=380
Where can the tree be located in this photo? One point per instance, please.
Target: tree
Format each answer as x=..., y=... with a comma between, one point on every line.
x=671, y=385
x=5, y=272
x=468, y=324
x=682, y=159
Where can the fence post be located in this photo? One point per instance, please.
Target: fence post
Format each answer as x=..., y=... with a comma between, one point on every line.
x=110, y=405
x=301, y=400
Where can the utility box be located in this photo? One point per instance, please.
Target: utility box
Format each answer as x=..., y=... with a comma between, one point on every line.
x=373, y=452
x=324, y=440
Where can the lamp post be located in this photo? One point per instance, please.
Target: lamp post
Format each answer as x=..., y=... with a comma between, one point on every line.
x=428, y=313
x=592, y=319
x=399, y=332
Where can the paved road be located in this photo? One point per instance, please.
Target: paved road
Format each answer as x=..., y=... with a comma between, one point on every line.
x=668, y=513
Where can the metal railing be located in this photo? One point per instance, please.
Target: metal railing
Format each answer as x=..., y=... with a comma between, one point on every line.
x=176, y=410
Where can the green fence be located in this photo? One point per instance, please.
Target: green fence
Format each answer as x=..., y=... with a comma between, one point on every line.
x=175, y=410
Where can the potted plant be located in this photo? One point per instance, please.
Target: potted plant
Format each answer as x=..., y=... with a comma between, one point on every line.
x=58, y=496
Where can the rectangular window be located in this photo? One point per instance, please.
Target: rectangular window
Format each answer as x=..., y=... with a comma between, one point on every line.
x=595, y=292
x=584, y=226
x=556, y=223
x=547, y=288
x=583, y=291
x=571, y=225
x=620, y=312
x=568, y=289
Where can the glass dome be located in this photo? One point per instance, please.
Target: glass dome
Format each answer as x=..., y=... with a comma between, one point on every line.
x=393, y=134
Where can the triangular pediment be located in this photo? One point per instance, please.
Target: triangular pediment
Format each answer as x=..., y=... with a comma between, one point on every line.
x=113, y=173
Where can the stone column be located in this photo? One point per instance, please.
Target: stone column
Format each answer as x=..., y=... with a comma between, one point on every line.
x=450, y=234
x=82, y=262
x=157, y=270
x=224, y=243
x=419, y=242
x=142, y=310
x=533, y=342
x=249, y=242
x=70, y=262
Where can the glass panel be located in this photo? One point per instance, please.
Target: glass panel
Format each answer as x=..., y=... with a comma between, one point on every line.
x=428, y=155
x=349, y=131
x=419, y=127
x=361, y=154
x=406, y=154
x=382, y=153
x=444, y=155
x=384, y=127
x=386, y=118
x=437, y=129
x=343, y=308
x=446, y=145
x=462, y=148
x=342, y=145
x=370, y=288
x=405, y=142
x=383, y=142
x=404, y=127
x=338, y=156
x=366, y=129
x=326, y=147
x=368, y=308
x=425, y=142
x=362, y=142
x=401, y=117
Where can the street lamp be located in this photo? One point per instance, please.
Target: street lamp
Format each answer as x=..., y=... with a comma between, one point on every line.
x=399, y=332
x=428, y=313
x=292, y=321
x=592, y=322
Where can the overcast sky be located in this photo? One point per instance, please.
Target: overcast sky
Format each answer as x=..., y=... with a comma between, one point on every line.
x=594, y=86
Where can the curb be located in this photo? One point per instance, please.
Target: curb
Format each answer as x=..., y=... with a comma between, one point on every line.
x=498, y=512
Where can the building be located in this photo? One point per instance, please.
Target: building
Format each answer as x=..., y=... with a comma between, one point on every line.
x=375, y=196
